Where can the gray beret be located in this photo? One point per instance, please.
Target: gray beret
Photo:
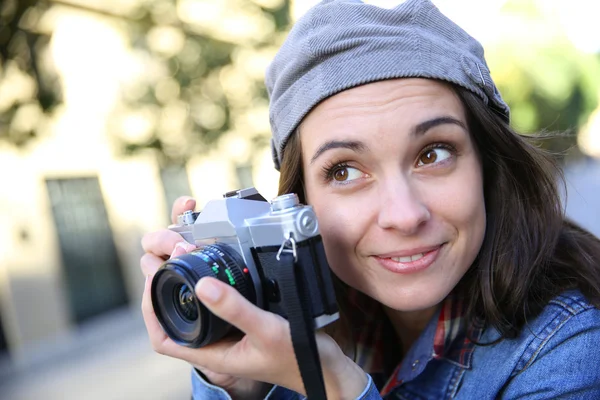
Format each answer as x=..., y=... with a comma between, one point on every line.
x=340, y=44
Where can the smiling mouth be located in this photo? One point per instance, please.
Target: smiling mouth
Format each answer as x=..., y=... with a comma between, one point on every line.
x=407, y=259
x=411, y=263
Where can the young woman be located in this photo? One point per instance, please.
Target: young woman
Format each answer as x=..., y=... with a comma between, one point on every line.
x=458, y=275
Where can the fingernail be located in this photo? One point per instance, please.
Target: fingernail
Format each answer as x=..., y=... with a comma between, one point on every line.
x=180, y=249
x=208, y=290
x=189, y=247
x=146, y=282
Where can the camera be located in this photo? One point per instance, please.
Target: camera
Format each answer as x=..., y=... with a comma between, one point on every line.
x=240, y=240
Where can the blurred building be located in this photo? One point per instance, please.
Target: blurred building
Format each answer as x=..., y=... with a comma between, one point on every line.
x=583, y=193
x=71, y=218
x=73, y=208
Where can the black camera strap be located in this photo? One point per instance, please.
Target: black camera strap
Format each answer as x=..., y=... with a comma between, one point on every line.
x=296, y=300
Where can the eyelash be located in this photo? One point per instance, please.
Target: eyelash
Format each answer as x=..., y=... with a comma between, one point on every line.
x=330, y=168
x=439, y=145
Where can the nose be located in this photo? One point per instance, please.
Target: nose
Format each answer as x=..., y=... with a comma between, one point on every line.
x=401, y=207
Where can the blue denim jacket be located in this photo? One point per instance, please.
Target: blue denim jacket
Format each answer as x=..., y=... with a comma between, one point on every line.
x=557, y=355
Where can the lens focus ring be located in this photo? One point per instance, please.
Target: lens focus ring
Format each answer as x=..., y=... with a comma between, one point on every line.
x=233, y=269
x=226, y=265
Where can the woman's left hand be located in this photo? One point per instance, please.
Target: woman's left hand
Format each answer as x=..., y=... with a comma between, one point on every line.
x=264, y=353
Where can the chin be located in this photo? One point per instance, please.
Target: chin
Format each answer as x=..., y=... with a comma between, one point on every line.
x=411, y=305
x=408, y=299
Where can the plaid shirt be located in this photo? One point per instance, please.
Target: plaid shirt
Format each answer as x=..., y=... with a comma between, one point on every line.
x=450, y=341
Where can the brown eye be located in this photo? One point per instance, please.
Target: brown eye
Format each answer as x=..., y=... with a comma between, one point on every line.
x=429, y=157
x=341, y=174
x=433, y=156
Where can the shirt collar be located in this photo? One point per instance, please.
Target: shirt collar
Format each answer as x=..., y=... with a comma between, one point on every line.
x=446, y=336
x=454, y=337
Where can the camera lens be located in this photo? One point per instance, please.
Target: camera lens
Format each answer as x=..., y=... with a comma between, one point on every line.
x=184, y=303
x=182, y=316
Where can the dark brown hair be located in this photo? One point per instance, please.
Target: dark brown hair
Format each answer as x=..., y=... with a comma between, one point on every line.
x=530, y=253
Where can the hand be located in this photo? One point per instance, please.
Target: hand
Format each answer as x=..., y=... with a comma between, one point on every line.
x=263, y=354
x=158, y=247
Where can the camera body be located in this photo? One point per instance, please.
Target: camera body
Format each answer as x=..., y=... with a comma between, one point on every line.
x=240, y=239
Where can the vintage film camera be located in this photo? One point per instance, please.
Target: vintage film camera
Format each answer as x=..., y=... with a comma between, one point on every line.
x=240, y=240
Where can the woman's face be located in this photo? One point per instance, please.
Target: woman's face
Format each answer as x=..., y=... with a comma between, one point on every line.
x=396, y=183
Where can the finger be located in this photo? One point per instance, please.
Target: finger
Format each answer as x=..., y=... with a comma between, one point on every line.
x=163, y=242
x=228, y=304
x=221, y=380
x=161, y=343
x=183, y=203
x=149, y=263
x=155, y=332
x=222, y=358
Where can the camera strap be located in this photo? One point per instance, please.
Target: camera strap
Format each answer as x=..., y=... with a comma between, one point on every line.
x=296, y=300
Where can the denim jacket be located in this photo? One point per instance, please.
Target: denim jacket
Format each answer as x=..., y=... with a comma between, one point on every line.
x=557, y=355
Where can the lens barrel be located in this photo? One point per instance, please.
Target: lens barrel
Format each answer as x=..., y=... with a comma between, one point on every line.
x=182, y=316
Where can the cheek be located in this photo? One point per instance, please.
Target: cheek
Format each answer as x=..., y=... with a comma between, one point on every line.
x=341, y=229
x=460, y=203
x=335, y=224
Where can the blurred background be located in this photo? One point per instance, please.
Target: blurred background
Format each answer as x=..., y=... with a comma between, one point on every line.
x=111, y=109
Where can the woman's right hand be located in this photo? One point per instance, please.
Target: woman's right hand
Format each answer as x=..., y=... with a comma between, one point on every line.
x=158, y=247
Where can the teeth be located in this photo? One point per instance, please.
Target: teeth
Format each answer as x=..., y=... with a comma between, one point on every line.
x=414, y=257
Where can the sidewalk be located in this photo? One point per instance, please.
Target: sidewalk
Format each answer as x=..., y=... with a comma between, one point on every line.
x=117, y=369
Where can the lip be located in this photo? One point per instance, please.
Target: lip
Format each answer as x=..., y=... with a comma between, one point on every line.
x=410, y=252
x=430, y=254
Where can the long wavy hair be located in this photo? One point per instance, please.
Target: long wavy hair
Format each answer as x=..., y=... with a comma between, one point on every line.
x=531, y=252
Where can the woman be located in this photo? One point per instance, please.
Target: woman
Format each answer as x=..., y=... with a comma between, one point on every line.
x=458, y=275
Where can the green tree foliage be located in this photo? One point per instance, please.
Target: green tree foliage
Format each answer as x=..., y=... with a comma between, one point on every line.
x=203, y=63
x=27, y=90
x=201, y=79
x=549, y=84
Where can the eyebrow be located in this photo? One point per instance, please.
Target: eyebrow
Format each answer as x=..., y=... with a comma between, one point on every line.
x=423, y=127
x=354, y=145
x=360, y=147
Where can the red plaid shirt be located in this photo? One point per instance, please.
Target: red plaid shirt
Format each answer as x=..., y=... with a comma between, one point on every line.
x=451, y=339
